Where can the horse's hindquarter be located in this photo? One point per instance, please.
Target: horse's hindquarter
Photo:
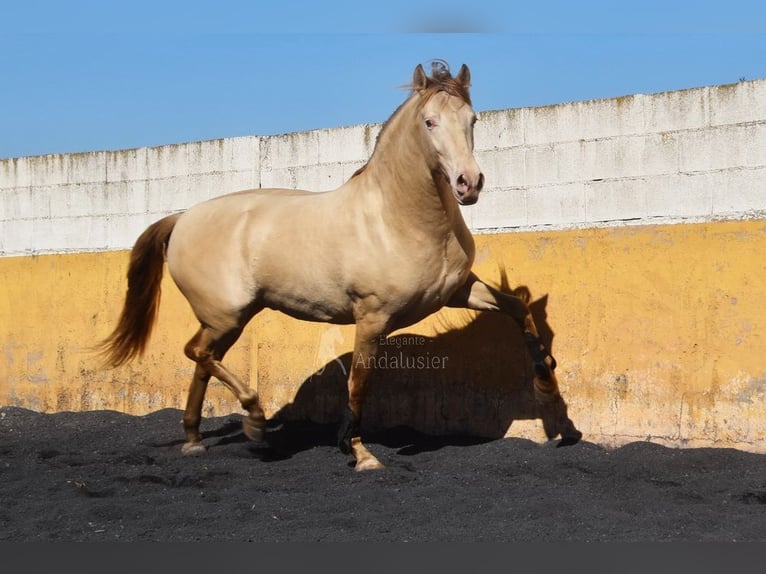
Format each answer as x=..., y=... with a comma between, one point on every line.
x=259, y=248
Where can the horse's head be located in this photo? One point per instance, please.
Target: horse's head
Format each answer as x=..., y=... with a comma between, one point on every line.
x=447, y=119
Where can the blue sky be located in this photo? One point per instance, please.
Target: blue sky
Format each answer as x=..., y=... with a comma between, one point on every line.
x=92, y=75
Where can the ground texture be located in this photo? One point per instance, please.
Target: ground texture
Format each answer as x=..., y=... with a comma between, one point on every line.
x=101, y=476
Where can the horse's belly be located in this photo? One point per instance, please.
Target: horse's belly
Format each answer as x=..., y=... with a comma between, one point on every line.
x=309, y=307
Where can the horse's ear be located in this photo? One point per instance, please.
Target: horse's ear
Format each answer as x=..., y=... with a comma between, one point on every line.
x=464, y=76
x=419, y=78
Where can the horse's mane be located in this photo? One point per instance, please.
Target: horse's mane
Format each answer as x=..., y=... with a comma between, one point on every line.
x=440, y=80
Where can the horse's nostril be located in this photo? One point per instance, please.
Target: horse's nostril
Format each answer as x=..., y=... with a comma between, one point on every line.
x=481, y=182
x=461, y=180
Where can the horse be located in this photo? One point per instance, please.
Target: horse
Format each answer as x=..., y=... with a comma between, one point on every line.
x=382, y=251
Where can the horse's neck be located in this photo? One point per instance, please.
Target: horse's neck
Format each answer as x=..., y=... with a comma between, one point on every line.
x=400, y=174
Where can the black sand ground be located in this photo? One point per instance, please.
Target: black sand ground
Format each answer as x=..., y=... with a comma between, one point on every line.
x=105, y=476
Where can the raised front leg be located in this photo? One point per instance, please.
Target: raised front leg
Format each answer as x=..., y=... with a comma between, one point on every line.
x=366, y=343
x=477, y=295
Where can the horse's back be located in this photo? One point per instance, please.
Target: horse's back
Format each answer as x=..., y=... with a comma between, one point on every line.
x=225, y=211
x=262, y=246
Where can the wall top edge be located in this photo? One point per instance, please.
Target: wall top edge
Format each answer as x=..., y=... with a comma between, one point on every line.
x=751, y=215
x=661, y=94
x=105, y=152
x=744, y=84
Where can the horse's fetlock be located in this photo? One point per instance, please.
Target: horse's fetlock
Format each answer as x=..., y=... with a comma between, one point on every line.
x=250, y=404
x=254, y=429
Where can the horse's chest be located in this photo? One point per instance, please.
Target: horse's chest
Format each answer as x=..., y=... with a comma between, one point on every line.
x=454, y=274
x=449, y=270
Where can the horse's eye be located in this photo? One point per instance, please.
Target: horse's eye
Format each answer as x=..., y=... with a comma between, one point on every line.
x=429, y=123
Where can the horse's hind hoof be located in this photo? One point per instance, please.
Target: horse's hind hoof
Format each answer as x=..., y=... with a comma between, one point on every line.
x=254, y=430
x=193, y=449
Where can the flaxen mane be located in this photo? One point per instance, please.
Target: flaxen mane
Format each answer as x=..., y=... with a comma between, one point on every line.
x=441, y=80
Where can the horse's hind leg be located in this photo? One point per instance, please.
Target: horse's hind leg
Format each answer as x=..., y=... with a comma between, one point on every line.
x=193, y=413
x=477, y=295
x=207, y=348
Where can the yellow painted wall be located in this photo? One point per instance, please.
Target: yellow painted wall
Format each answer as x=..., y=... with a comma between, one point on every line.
x=658, y=332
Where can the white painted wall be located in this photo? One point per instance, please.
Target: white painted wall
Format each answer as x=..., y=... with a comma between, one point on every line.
x=685, y=155
x=688, y=155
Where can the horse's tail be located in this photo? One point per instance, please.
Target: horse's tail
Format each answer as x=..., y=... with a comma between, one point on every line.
x=142, y=300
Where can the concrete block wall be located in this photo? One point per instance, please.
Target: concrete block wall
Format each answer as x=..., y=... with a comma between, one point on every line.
x=319, y=160
x=102, y=200
x=688, y=155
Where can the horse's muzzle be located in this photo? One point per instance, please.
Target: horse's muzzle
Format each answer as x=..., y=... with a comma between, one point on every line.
x=467, y=191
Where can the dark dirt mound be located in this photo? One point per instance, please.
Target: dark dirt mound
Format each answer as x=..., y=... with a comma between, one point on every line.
x=98, y=476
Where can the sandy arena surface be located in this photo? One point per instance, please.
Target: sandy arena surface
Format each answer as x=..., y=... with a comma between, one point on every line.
x=105, y=476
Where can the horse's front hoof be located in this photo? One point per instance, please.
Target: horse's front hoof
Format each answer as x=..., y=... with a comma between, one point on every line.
x=365, y=460
x=193, y=449
x=368, y=464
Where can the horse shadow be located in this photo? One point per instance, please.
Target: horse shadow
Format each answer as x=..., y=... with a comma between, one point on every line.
x=464, y=386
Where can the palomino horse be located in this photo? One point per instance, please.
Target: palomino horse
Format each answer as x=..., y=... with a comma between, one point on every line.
x=383, y=251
